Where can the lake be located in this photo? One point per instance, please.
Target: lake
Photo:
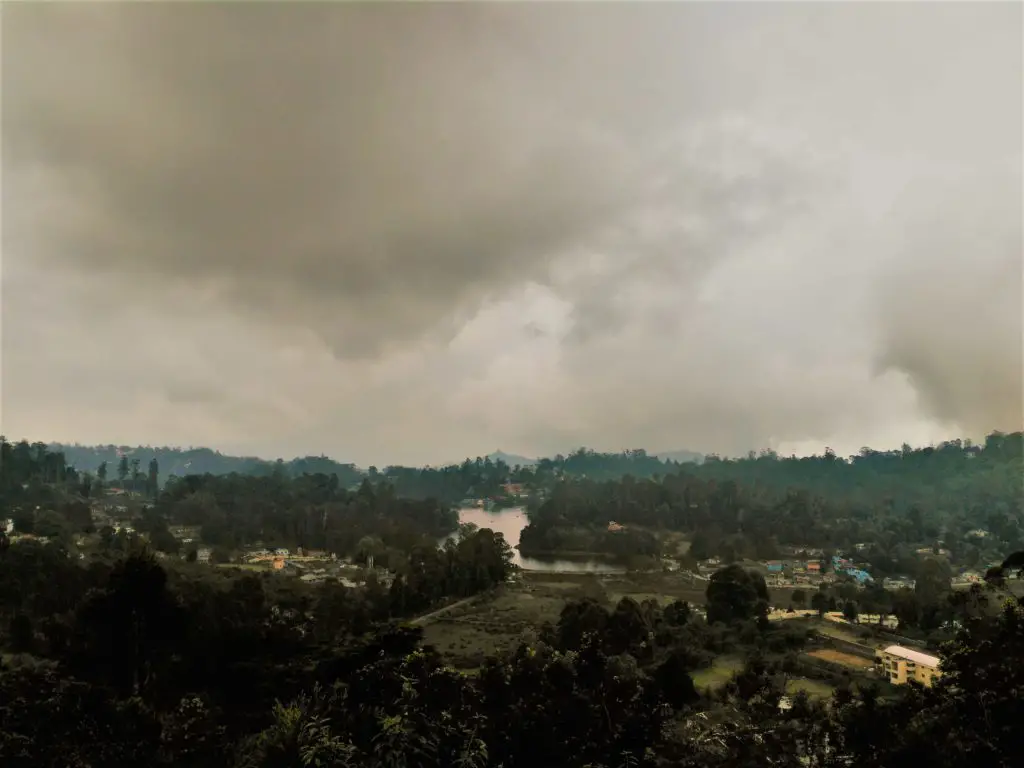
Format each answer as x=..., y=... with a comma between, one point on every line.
x=510, y=522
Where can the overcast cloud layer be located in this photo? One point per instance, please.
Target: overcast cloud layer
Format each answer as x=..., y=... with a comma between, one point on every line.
x=403, y=233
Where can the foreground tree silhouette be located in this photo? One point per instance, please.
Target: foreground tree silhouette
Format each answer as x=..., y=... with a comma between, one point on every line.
x=127, y=630
x=736, y=594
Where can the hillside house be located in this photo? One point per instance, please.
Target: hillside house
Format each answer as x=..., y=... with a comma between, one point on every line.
x=966, y=578
x=899, y=582
x=900, y=665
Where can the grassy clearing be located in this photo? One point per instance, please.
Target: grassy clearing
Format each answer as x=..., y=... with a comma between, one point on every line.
x=467, y=634
x=614, y=597
x=664, y=587
x=465, y=646
x=464, y=634
x=245, y=566
x=558, y=586
x=840, y=632
x=718, y=674
x=782, y=597
x=815, y=689
x=557, y=580
x=845, y=659
x=674, y=544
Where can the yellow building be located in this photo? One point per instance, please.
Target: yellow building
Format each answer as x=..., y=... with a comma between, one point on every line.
x=901, y=665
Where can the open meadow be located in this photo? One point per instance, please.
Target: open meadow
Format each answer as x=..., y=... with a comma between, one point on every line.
x=815, y=689
x=718, y=674
x=465, y=635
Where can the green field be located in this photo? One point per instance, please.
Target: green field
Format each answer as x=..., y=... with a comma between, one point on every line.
x=815, y=689
x=718, y=674
x=465, y=635
x=841, y=632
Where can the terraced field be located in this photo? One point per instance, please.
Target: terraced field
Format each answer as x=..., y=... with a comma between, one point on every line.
x=845, y=659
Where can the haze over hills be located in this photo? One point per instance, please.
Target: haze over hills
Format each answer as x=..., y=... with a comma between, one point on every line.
x=683, y=457
x=198, y=461
x=512, y=459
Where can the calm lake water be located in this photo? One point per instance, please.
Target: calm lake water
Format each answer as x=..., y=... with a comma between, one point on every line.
x=510, y=522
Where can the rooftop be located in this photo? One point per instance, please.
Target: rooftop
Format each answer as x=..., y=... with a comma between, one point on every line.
x=910, y=655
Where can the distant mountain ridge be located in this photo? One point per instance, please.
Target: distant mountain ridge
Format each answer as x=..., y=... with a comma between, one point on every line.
x=512, y=459
x=683, y=457
x=200, y=461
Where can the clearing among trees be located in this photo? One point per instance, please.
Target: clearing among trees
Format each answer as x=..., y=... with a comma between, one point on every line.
x=838, y=657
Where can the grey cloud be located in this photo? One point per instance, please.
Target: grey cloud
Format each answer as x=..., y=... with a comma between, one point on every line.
x=344, y=168
x=192, y=392
x=952, y=319
x=752, y=213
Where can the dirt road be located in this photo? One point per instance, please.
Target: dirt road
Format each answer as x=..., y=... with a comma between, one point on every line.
x=420, y=620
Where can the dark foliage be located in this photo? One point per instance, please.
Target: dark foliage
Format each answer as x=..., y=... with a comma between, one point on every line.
x=121, y=661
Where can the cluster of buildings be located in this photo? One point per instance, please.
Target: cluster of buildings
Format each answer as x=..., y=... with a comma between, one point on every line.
x=517, y=493
x=842, y=565
x=801, y=571
x=315, y=566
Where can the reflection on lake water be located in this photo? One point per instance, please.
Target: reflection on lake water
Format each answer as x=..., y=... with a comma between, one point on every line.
x=510, y=522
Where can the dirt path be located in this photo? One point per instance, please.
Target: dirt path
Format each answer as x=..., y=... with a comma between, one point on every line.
x=420, y=620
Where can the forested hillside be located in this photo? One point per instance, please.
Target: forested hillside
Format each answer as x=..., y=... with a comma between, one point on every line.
x=311, y=511
x=891, y=501
x=479, y=478
x=199, y=461
x=109, y=656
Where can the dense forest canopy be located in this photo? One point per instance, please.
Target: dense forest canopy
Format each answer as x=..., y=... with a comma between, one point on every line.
x=892, y=501
x=891, y=473
x=483, y=475
x=112, y=657
x=201, y=461
x=128, y=663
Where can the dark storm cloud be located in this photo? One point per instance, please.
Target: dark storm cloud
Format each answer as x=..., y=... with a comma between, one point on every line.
x=740, y=224
x=960, y=340
x=362, y=170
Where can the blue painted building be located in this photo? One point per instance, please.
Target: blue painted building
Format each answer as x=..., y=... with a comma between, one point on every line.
x=841, y=565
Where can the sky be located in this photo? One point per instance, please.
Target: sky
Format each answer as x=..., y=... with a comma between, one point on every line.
x=406, y=233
